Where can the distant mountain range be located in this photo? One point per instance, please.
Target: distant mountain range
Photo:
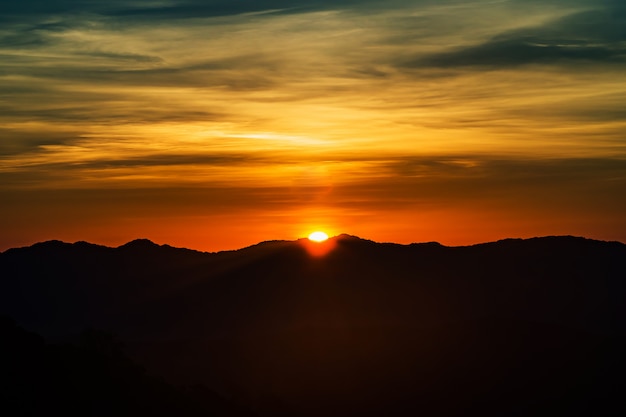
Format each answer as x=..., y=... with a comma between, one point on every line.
x=349, y=327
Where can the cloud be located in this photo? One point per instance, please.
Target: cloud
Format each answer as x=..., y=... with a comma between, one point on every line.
x=522, y=51
x=594, y=36
x=174, y=9
x=98, y=69
x=28, y=139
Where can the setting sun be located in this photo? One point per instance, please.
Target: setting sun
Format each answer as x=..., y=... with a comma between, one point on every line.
x=318, y=236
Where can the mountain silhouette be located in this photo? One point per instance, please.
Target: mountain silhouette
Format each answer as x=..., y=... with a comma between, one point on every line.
x=91, y=378
x=349, y=327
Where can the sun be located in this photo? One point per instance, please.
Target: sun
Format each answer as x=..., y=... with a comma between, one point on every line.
x=318, y=236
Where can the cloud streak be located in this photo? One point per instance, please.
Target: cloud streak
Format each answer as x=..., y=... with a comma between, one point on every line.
x=590, y=36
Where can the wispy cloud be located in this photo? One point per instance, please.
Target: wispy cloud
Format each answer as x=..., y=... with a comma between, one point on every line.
x=595, y=36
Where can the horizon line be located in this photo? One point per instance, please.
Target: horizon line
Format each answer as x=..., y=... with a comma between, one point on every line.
x=301, y=239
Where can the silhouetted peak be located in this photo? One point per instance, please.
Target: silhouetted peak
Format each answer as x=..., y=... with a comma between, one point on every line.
x=87, y=245
x=139, y=244
x=428, y=245
x=540, y=241
x=47, y=246
x=345, y=236
x=51, y=244
x=270, y=243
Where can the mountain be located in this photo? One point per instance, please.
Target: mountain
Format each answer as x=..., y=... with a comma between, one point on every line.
x=91, y=378
x=349, y=327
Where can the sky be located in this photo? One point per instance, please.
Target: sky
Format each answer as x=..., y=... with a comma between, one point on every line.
x=217, y=124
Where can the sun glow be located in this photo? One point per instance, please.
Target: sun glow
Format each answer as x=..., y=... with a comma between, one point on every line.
x=318, y=236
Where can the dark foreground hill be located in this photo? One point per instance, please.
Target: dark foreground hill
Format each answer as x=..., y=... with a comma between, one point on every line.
x=92, y=377
x=350, y=327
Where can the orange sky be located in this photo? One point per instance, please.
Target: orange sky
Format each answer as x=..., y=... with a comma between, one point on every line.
x=216, y=125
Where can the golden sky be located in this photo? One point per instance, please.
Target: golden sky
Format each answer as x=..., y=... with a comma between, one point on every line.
x=218, y=124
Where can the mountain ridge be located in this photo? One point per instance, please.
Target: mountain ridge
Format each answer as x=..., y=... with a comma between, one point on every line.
x=360, y=328
x=147, y=243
